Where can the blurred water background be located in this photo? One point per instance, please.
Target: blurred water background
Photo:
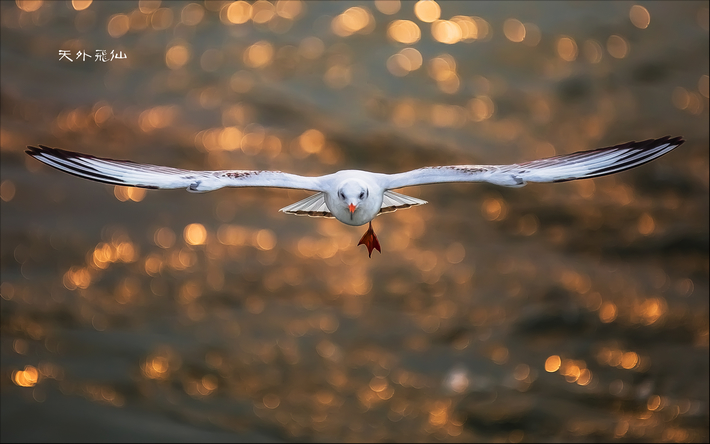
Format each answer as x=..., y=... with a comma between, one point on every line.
x=574, y=311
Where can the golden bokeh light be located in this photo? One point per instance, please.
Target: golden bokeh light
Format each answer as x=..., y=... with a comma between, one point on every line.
x=646, y=224
x=493, y=209
x=446, y=31
x=262, y=11
x=210, y=382
x=528, y=224
x=405, y=61
x=29, y=5
x=629, y=360
x=585, y=377
x=617, y=47
x=338, y=76
x=311, y=48
x=7, y=190
x=608, y=312
x=77, y=277
x=404, y=115
x=483, y=28
x=265, y=240
x=593, y=51
x=102, y=114
x=259, y=55
x=481, y=107
x=404, y=31
x=500, y=355
x=290, y=9
x=124, y=194
x=177, y=56
x=414, y=57
x=161, y=19
x=239, y=12
x=533, y=35
x=567, y=48
x=148, y=6
x=521, y=372
x=312, y=141
x=704, y=85
x=192, y=14
x=680, y=98
x=80, y=5
x=514, y=30
x=399, y=65
x=654, y=402
x=27, y=377
x=230, y=138
x=271, y=401
x=639, y=16
x=353, y=20
x=388, y=7
x=195, y=234
x=469, y=29
x=442, y=67
x=427, y=11
x=553, y=363
x=138, y=21
x=455, y=253
x=118, y=25
x=652, y=310
x=164, y=237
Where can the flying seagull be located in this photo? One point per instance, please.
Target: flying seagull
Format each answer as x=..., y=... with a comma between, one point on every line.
x=356, y=197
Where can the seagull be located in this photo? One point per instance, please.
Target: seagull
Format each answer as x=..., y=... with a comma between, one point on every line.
x=356, y=197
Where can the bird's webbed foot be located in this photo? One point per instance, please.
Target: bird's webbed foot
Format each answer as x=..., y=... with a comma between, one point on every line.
x=369, y=239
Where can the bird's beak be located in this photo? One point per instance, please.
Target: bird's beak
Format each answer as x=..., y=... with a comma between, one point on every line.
x=351, y=207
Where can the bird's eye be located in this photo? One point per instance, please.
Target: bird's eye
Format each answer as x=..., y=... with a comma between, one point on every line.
x=340, y=193
x=362, y=195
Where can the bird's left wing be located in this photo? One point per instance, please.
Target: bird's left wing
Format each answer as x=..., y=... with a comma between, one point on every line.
x=131, y=174
x=580, y=165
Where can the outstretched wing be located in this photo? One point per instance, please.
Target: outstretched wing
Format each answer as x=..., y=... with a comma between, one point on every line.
x=580, y=165
x=131, y=174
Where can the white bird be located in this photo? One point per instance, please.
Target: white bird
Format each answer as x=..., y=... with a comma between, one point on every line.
x=356, y=197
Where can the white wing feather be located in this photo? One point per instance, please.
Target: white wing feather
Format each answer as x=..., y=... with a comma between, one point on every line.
x=313, y=206
x=580, y=165
x=127, y=173
x=392, y=201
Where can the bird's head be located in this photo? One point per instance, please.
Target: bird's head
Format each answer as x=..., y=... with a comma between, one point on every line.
x=352, y=193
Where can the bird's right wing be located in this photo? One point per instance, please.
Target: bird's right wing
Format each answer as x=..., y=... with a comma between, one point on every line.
x=131, y=174
x=580, y=165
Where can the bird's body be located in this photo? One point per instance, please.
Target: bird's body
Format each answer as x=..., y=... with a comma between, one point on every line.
x=356, y=197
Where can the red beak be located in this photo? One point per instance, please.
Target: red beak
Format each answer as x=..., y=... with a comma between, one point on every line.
x=351, y=207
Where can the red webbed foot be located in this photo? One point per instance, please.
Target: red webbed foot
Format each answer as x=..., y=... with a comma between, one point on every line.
x=369, y=239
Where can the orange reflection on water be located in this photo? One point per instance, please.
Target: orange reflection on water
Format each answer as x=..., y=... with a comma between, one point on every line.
x=353, y=20
x=639, y=16
x=118, y=25
x=446, y=31
x=514, y=30
x=553, y=363
x=404, y=31
x=427, y=11
x=27, y=377
x=567, y=48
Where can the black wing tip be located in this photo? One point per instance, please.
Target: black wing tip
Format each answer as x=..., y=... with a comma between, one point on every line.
x=66, y=154
x=652, y=143
x=35, y=151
